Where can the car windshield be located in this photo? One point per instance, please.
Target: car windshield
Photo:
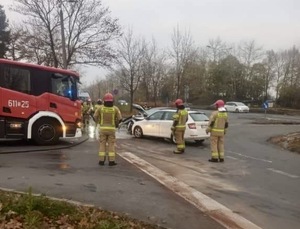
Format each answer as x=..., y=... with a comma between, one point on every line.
x=199, y=117
x=240, y=104
x=152, y=110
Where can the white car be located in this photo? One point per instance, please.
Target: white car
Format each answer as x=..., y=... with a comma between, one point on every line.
x=122, y=102
x=158, y=124
x=236, y=107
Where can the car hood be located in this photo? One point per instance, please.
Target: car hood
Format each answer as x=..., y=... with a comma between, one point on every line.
x=139, y=108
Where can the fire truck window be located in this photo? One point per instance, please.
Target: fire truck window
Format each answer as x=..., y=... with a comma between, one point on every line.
x=17, y=79
x=61, y=86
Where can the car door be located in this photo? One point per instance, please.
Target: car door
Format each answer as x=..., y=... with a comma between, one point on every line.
x=152, y=125
x=230, y=107
x=166, y=123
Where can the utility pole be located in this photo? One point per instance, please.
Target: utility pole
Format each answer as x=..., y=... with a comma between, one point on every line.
x=63, y=39
x=186, y=93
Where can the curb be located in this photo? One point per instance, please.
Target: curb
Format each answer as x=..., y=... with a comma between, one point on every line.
x=212, y=208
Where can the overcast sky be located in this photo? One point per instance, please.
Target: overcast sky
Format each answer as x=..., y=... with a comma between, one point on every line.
x=273, y=24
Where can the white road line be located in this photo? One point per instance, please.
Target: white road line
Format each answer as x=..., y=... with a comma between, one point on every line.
x=215, y=210
x=234, y=158
x=254, y=158
x=283, y=173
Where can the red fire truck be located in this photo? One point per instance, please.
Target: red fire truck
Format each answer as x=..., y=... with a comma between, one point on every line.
x=38, y=103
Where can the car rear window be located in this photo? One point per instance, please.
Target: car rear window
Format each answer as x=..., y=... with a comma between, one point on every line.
x=199, y=117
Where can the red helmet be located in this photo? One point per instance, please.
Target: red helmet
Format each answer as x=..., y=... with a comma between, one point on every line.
x=108, y=97
x=178, y=102
x=219, y=103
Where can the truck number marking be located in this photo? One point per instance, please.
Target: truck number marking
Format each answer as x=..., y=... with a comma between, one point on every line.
x=18, y=103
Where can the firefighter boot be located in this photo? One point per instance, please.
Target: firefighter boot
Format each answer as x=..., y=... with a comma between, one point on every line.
x=221, y=159
x=213, y=160
x=112, y=163
x=178, y=151
x=101, y=162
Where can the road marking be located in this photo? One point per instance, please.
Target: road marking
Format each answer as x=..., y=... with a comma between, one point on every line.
x=234, y=158
x=254, y=158
x=283, y=173
x=215, y=210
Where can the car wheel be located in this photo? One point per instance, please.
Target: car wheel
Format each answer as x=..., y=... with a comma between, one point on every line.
x=237, y=110
x=138, y=132
x=45, y=132
x=173, y=139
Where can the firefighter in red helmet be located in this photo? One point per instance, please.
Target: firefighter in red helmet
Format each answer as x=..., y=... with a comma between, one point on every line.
x=178, y=127
x=108, y=117
x=217, y=126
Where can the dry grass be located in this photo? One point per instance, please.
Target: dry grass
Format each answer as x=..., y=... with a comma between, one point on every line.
x=290, y=141
x=18, y=211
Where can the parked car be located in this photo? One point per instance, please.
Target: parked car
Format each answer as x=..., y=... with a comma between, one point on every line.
x=159, y=121
x=122, y=102
x=236, y=107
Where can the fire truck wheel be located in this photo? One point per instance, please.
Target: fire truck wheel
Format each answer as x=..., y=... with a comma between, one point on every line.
x=45, y=132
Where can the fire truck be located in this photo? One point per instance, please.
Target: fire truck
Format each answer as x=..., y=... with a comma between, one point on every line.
x=38, y=103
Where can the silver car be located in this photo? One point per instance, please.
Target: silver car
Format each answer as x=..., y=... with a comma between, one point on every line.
x=158, y=124
x=236, y=107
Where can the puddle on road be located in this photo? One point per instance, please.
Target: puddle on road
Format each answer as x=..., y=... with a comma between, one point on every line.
x=57, y=160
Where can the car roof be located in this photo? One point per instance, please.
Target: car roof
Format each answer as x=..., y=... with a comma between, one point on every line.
x=174, y=109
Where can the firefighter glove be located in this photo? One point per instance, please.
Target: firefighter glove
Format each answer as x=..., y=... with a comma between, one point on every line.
x=207, y=130
x=173, y=128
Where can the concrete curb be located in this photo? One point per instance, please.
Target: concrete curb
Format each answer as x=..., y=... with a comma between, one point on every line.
x=215, y=210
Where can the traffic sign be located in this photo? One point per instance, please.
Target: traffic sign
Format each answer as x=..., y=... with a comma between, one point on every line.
x=115, y=91
x=265, y=105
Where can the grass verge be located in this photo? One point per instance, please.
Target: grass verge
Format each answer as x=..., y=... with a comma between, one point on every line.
x=29, y=211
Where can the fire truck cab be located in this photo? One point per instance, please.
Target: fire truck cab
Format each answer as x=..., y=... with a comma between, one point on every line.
x=38, y=103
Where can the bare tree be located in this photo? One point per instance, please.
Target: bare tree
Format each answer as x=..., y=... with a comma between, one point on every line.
x=182, y=53
x=154, y=70
x=279, y=63
x=131, y=53
x=250, y=53
x=25, y=44
x=4, y=32
x=218, y=49
x=89, y=29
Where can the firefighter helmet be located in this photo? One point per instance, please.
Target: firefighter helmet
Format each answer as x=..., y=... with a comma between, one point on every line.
x=108, y=97
x=99, y=101
x=178, y=102
x=219, y=103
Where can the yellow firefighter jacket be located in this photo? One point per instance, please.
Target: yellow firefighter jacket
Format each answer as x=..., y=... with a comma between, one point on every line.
x=180, y=119
x=218, y=122
x=108, y=117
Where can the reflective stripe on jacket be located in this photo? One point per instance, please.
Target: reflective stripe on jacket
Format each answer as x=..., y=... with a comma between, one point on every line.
x=219, y=119
x=107, y=117
x=180, y=117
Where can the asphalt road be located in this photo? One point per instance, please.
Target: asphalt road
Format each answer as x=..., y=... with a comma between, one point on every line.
x=258, y=181
x=74, y=174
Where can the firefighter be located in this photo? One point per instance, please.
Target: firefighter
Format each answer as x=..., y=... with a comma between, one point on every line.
x=86, y=109
x=98, y=104
x=217, y=126
x=108, y=117
x=178, y=127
